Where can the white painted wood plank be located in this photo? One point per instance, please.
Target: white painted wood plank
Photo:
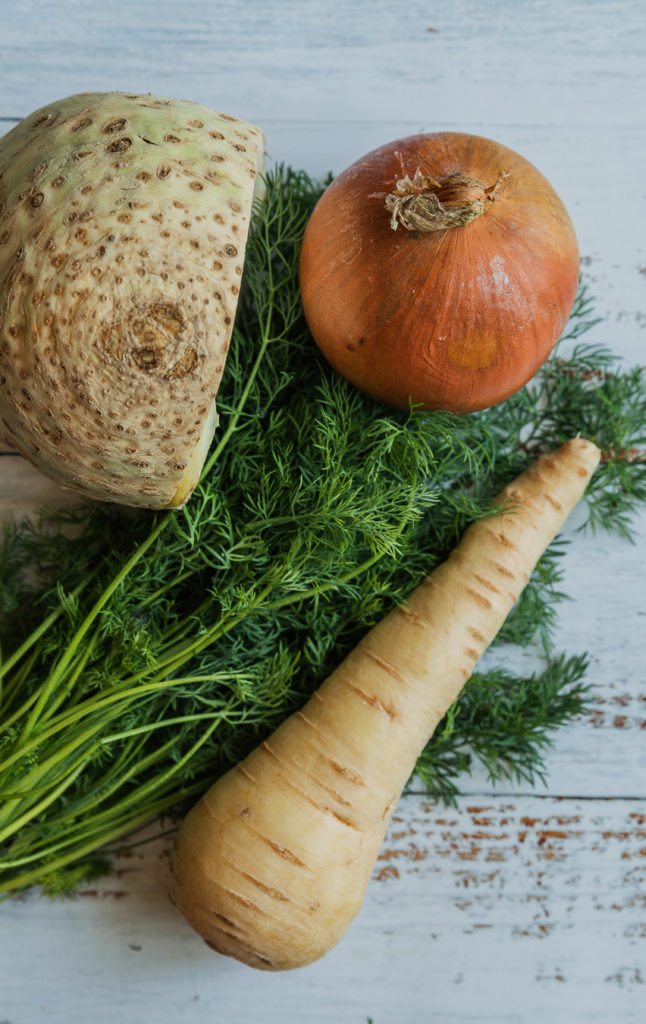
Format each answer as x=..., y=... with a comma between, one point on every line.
x=540, y=61
x=24, y=490
x=498, y=911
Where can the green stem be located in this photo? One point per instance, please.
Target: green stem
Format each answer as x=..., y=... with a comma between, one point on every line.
x=175, y=660
x=75, y=815
x=43, y=804
x=15, y=686
x=183, y=624
x=71, y=649
x=119, y=828
x=136, y=796
x=31, y=780
x=65, y=691
x=180, y=578
x=88, y=707
x=38, y=633
x=162, y=723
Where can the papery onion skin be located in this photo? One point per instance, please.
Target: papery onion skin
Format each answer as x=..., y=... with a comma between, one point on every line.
x=456, y=319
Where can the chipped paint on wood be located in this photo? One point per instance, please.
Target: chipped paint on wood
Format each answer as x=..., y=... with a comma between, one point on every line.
x=493, y=906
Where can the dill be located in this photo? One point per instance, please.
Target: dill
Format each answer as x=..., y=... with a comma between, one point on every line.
x=141, y=654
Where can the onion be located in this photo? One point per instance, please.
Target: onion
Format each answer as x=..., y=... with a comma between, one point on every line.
x=439, y=270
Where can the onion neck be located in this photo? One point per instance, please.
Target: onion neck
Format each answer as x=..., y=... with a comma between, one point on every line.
x=423, y=204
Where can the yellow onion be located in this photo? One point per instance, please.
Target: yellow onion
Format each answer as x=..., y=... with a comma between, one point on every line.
x=123, y=224
x=439, y=270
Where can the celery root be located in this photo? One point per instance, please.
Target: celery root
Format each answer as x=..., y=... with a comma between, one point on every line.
x=271, y=865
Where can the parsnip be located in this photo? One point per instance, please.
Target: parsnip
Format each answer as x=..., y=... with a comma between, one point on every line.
x=271, y=865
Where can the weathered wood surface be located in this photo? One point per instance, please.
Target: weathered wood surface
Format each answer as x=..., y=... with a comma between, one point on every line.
x=515, y=906
x=505, y=910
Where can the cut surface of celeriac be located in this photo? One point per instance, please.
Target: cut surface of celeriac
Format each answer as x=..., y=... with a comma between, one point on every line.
x=123, y=225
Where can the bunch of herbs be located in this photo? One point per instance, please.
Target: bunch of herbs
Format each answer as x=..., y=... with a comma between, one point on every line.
x=143, y=653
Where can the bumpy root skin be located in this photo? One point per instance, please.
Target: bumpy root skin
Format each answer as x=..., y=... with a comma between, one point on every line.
x=123, y=227
x=271, y=865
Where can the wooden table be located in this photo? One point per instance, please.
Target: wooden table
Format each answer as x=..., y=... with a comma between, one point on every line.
x=516, y=906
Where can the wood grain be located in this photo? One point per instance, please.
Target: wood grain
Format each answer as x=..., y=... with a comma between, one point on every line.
x=24, y=490
x=503, y=910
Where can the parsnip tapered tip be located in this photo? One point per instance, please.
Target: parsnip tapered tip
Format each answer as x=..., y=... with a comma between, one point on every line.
x=584, y=452
x=582, y=444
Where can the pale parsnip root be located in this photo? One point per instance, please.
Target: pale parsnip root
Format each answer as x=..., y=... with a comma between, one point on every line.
x=271, y=865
